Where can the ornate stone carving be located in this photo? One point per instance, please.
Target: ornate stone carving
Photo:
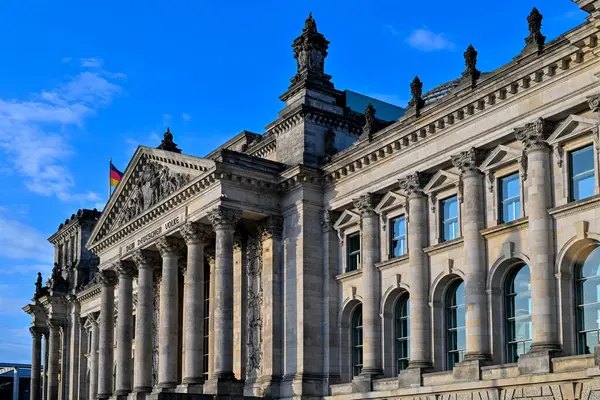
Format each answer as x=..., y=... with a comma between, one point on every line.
x=107, y=278
x=533, y=135
x=272, y=227
x=36, y=331
x=126, y=269
x=155, y=319
x=57, y=283
x=168, y=246
x=224, y=217
x=310, y=50
x=38, y=284
x=155, y=183
x=145, y=259
x=535, y=41
x=329, y=145
x=471, y=73
x=416, y=102
x=413, y=184
x=167, y=143
x=369, y=127
x=329, y=219
x=366, y=204
x=194, y=233
x=255, y=300
x=54, y=323
x=468, y=161
x=594, y=102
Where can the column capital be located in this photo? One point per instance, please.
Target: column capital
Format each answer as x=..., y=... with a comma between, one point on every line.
x=272, y=227
x=329, y=219
x=468, y=161
x=168, y=246
x=145, y=259
x=413, y=184
x=126, y=269
x=533, y=135
x=594, y=102
x=195, y=233
x=107, y=278
x=36, y=331
x=224, y=217
x=54, y=323
x=366, y=204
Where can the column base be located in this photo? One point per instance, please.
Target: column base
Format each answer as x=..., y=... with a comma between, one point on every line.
x=191, y=388
x=470, y=369
x=103, y=396
x=120, y=396
x=364, y=382
x=142, y=395
x=539, y=358
x=226, y=385
x=412, y=376
x=264, y=386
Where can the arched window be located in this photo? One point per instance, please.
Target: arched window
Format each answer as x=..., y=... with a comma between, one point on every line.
x=455, y=323
x=402, y=318
x=357, y=341
x=517, y=294
x=587, y=291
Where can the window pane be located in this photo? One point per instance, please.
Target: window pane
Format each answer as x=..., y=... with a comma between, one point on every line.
x=583, y=187
x=450, y=208
x=582, y=160
x=399, y=225
x=353, y=243
x=449, y=218
x=587, y=342
x=582, y=173
x=591, y=266
x=518, y=313
x=357, y=340
x=510, y=187
x=455, y=329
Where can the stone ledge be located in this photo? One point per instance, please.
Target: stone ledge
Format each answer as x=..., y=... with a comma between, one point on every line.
x=575, y=207
x=392, y=262
x=349, y=275
x=518, y=224
x=444, y=246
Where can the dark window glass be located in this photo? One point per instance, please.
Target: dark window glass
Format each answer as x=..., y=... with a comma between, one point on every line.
x=353, y=244
x=581, y=163
x=357, y=341
x=518, y=313
x=455, y=324
x=402, y=318
x=398, y=237
x=588, y=302
x=510, y=198
x=449, y=216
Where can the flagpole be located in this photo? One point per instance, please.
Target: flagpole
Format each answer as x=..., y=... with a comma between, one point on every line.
x=109, y=186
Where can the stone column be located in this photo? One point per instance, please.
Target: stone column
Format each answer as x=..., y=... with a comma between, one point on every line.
x=54, y=327
x=168, y=326
x=472, y=216
x=142, y=380
x=370, y=253
x=126, y=271
x=540, y=238
x=94, y=349
x=224, y=221
x=45, y=369
x=83, y=363
x=36, y=362
x=108, y=280
x=418, y=266
x=73, y=387
x=195, y=236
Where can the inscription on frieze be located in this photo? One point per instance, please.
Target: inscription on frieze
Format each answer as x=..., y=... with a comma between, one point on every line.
x=147, y=237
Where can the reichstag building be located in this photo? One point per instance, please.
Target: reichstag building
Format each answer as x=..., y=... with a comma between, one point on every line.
x=354, y=249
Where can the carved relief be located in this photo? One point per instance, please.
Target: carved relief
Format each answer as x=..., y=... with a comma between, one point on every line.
x=255, y=300
x=154, y=184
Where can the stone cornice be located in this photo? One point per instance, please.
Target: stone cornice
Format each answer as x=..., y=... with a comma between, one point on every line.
x=522, y=77
x=575, y=207
x=499, y=229
x=89, y=293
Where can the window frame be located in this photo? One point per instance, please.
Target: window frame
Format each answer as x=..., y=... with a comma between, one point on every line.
x=500, y=199
x=402, y=302
x=450, y=292
x=442, y=219
x=578, y=279
x=355, y=349
x=391, y=237
x=570, y=175
x=508, y=339
x=350, y=254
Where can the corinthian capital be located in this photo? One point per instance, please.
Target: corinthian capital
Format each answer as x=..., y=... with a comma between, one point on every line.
x=107, y=278
x=594, y=102
x=126, y=269
x=36, y=331
x=533, y=135
x=144, y=259
x=413, y=184
x=194, y=233
x=467, y=161
x=366, y=204
x=168, y=246
x=272, y=227
x=224, y=217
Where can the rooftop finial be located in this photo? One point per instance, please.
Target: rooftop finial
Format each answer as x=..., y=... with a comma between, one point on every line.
x=369, y=127
x=416, y=90
x=310, y=24
x=167, y=142
x=471, y=72
x=535, y=41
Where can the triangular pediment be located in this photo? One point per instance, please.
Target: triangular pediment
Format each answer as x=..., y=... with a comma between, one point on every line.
x=499, y=157
x=151, y=177
x=441, y=180
x=391, y=201
x=572, y=127
x=347, y=218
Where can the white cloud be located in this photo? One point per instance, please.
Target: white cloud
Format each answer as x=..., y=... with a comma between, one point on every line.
x=186, y=117
x=23, y=242
x=33, y=132
x=426, y=40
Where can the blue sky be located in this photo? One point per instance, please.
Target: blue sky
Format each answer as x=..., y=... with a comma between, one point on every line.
x=82, y=83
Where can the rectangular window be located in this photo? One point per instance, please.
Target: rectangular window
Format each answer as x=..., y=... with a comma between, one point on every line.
x=353, y=245
x=398, y=237
x=581, y=169
x=510, y=198
x=449, y=218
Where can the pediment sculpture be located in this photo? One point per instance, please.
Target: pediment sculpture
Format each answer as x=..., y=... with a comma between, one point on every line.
x=155, y=183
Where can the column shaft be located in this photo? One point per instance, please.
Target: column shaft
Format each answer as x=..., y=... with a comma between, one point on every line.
x=53, y=364
x=124, y=329
x=45, y=368
x=36, y=363
x=74, y=349
x=94, y=349
x=106, y=345
x=143, y=326
x=83, y=388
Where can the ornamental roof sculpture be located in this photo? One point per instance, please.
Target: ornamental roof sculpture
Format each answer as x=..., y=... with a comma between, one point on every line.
x=310, y=50
x=535, y=41
x=471, y=73
x=167, y=143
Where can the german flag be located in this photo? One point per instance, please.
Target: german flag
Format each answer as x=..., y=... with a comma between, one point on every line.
x=115, y=175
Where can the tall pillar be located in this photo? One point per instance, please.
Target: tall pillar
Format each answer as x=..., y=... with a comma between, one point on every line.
x=36, y=362
x=54, y=327
x=45, y=368
x=168, y=326
x=74, y=358
x=126, y=271
x=370, y=255
x=224, y=221
x=94, y=349
x=540, y=238
x=472, y=216
x=82, y=385
x=142, y=380
x=193, y=303
x=418, y=266
x=108, y=280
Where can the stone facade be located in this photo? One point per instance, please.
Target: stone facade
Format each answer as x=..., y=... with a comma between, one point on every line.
x=324, y=257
